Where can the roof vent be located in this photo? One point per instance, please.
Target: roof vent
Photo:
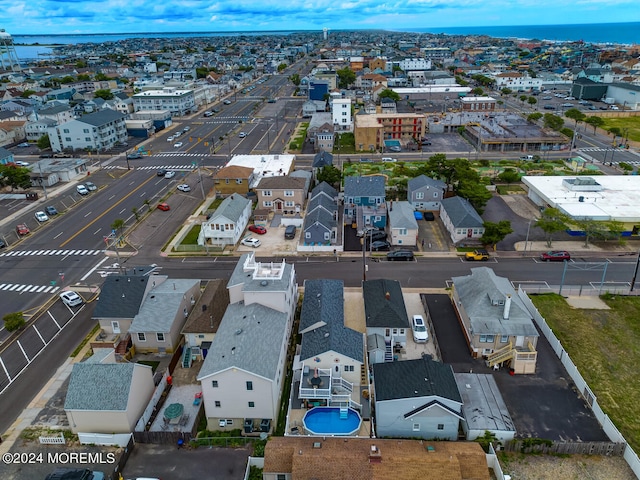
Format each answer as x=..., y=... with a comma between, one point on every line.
x=387, y=295
x=326, y=335
x=317, y=445
x=238, y=332
x=264, y=283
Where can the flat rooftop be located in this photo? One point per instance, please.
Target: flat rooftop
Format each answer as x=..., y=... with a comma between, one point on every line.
x=264, y=165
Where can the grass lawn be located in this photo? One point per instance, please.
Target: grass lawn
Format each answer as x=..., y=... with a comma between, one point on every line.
x=191, y=238
x=150, y=363
x=632, y=123
x=605, y=346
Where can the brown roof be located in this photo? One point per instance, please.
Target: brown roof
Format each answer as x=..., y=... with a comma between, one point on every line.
x=281, y=182
x=338, y=459
x=234, y=171
x=215, y=298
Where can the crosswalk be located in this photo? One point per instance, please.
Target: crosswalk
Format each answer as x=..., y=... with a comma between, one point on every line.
x=24, y=288
x=29, y=253
x=187, y=167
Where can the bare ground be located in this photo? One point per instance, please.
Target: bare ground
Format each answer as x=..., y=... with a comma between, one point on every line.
x=574, y=467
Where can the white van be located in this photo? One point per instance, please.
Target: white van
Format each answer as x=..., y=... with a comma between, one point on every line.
x=526, y=157
x=389, y=159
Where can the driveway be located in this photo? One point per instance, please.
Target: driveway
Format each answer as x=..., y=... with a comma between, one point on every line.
x=543, y=405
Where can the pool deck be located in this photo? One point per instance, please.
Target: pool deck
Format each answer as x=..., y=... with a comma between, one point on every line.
x=295, y=426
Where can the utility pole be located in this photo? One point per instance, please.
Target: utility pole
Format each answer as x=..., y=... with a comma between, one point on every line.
x=635, y=273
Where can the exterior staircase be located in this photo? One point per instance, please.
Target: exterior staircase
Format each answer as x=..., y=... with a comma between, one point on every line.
x=186, y=357
x=388, y=353
x=505, y=353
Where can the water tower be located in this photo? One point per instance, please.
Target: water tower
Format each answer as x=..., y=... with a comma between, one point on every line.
x=8, y=56
x=324, y=33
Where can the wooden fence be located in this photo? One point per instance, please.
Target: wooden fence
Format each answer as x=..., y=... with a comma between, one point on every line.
x=566, y=448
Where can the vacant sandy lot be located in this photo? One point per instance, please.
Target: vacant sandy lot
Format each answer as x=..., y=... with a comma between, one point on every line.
x=577, y=467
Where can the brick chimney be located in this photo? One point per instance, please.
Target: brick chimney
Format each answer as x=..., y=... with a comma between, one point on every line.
x=374, y=454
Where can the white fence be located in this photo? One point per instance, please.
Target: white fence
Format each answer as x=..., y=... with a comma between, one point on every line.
x=253, y=462
x=581, y=385
x=146, y=415
x=56, y=440
x=111, y=439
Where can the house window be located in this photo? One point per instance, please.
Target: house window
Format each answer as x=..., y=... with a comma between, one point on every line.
x=142, y=337
x=419, y=195
x=65, y=130
x=239, y=182
x=348, y=368
x=252, y=404
x=226, y=180
x=229, y=421
x=289, y=204
x=267, y=203
x=504, y=338
x=327, y=236
x=214, y=383
x=402, y=231
x=288, y=193
x=416, y=427
x=487, y=338
x=402, y=331
x=249, y=385
x=217, y=404
x=281, y=476
x=441, y=426
x=435, y=194
x=307, y=234
x=160, y=336
x=266, y=193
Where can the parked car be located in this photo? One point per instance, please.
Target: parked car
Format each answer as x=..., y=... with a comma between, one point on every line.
x=20, y=163
x=380, y=245
x=2, y=244
x=169, y=174
x=23, y=145
x=164, y=207
x=478, y=255
x=134, y=156
x=395, y=148
x=420, y=334
x=208, y=113
x=251, y=242
x=365, y=231
x=161, y=173
x=242, y=134
x=186, y=129
x=183, y=187
x=376, y=235
x=46, y=155
x=227, y=102
x=82, y=190
x=177, y=145
x=22, y=229
x=41, y=216
x=90, y=186
x=51, y=210
x=257, y=229
x=400, y=255
x=555, y=256
x=389, y=159
x=429, y=216
x=71, y=298
x=290, y=232
x=171, y=138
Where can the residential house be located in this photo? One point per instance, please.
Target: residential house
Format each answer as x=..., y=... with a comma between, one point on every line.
x=178, y=101
x=227, y=223
x=34, y=130
x=157, y=326
x=425, y=193
x=204, y=320
x=325, y=190
x=386, y=313
x=270, y=284
x=416, y=398
x=233, y=179
x=331, y=355
x=364, y=201
x=342, y=118
x=6, y=156
x=322, y=159
x=461, y=220
x=320, y=227
x=107, y=397
x=283, y=195
x=97, y=131
x=302, y=457
x=403, y=227
x=495, y=321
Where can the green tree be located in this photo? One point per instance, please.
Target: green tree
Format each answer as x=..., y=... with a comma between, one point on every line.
x=281, y=67
x=616, y=133
x=534, y=117
x=614, y=230
x=506, y=91
x=553, y=121
x=67, y=79
x=523, y=98
x=81, y=64
x=202, y=72
x=592, y=229
x=27, y=93
x=495, y=232
x=475, y=192
x=100, y=77
x=532, y=101
x=552, y=221
x=13, y=321
x=346, y=77
x=105, y=94
x=575, y=115
x=486, y=439
x=44, y=142
x=118, y=226
x=83, y=77
x=330, y=174
x=509, y=175
x=626, y=167
x=14, y=177
x=477, y=91
x=388, y=93
x=295, y=79
x=595, y=122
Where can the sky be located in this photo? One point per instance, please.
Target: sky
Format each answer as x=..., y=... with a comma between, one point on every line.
x=64, y=17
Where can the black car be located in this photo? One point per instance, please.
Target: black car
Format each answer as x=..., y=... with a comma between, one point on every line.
x=46, y=155
x=161, y=173
x=380, y=245
x=50, y=210
x=400, y=255
x=429, y=216
x=2, y=244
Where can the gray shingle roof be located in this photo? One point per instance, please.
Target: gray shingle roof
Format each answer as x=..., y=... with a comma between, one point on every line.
x=160, y=307
x=320, y=216
x=250, y=338
x=231, y=208
x=325, y=188
x=401, y=216
x=322, y=159
x=121, y=296
x=476, y=291
x=321, y=201
x=102, y=117
x=422, y=181
x=239, y=275
x=100, y=386
x=461, y=213
x=414, y=378
x=364, y=186
x=381, y=311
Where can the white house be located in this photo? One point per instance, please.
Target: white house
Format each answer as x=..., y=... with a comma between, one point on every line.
x=341, y=114
x=227, y=223
x=177, y=101
x=97, y=131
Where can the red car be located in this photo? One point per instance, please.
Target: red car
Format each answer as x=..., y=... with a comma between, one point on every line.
x=257, y=229
x=164, y=207
x=22, y=229
x=555, y=256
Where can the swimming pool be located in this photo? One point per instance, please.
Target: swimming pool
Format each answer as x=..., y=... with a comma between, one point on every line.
x=327, y=421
